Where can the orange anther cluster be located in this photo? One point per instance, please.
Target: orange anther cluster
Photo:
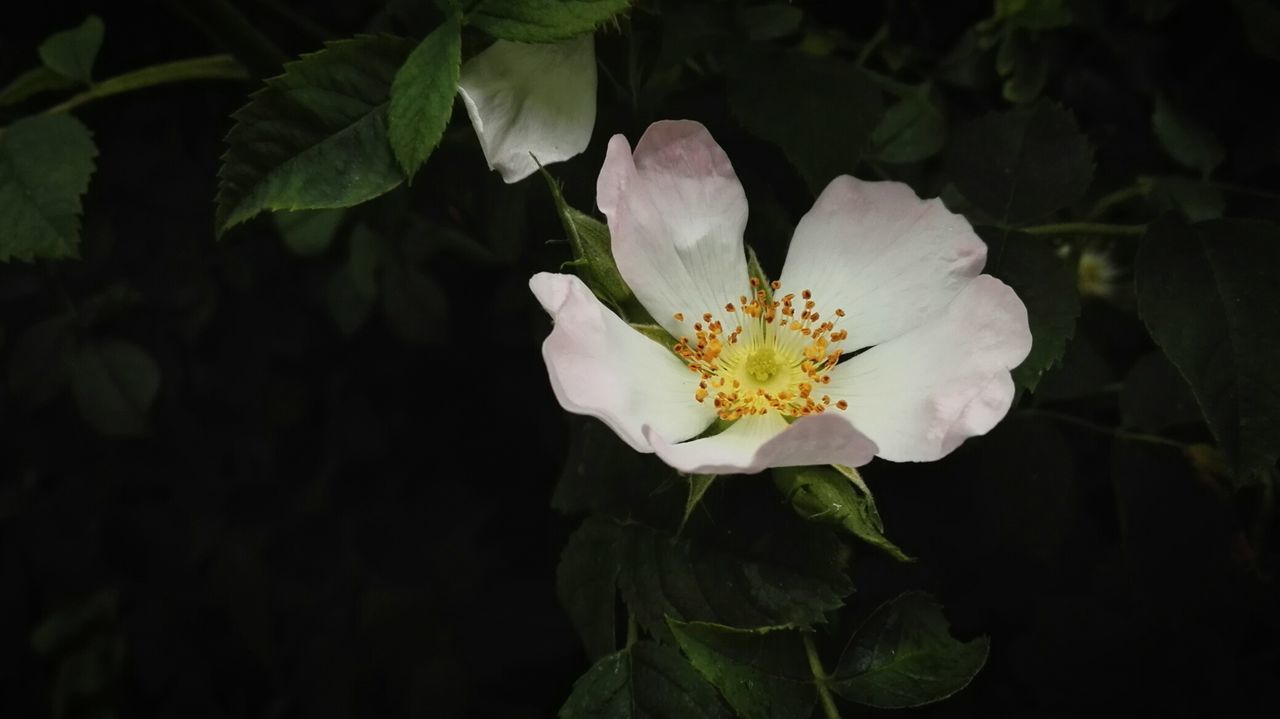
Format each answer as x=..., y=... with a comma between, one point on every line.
x=771, y=359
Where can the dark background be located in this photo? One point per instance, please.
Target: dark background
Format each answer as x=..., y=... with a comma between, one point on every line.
x=331, y=525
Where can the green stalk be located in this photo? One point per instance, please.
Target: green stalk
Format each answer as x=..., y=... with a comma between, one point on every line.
x=828, y=702
x=1087, y=228
x=210, y=67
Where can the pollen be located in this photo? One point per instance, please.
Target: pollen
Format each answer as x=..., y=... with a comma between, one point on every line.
x=760, y=357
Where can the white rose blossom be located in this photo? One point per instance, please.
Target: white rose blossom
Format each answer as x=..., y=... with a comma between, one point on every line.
x=527, y=100
x=881, y=338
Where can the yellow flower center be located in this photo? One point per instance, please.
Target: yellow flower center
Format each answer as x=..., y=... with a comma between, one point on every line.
x=777, y=352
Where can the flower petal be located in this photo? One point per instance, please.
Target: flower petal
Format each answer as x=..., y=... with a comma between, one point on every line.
x=752, y=444
x=538, y=99
x=920, y=395
x=676, y=215
x=887, y=258
x=601, y=367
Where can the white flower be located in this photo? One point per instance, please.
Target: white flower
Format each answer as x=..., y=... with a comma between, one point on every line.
x=524, y=99
x=870, y=266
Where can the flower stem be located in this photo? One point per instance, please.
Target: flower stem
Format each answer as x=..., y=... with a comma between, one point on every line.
x=633, y=629
x=209, y=67
x=1243, y=190
x=1086, y=228
x=875, y=41
x=829, y=709
x=1103, y=429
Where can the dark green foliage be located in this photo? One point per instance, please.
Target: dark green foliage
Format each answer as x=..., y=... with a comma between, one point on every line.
x=820, y=112
x=71, y=53
x=304, y=470
x=422, y=96
x=114, y=384
x=1020, y=165
x=1046, y=284
x=1209, y=295
x=904, y=656
x=1187, y=141
x=824, y=495
x=761, y=673
x=543, y=20
x=643, y=681
x=45, y=165
x=316, y=136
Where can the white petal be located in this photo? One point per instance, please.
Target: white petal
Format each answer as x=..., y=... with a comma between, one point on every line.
x=538, y=99
x=887, y=258
x=676, y=214
x=920, y=395
x=601, y=367
x=752, y=444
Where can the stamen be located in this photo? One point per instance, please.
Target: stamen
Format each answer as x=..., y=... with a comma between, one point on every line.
x=765, y=364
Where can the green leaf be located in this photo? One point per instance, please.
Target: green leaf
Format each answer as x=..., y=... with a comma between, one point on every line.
x=762, y=673
x=788, y=99
x=1261, y=22
x=45, y=165
x=1155, y=397
x=414, y=303
x=115, y=382
x=756, y=272
x=912, y=129
x=1188, y=142
x=784, y=579
x=1081, y=372
x=1210, y=295
x=643, y=681
x=40, y=362
x=904, y=656
x=1195, y=199
x=1023, y=164
x=308, y=233
x=316, y=136
x=71, y=53
x=1034, y=14
x=698, y=486
x=587, y=581
x=1046, y=285
x=543, y=20
x=349, y=303
x=32, y=83
x=604, y=475
x=823, y=495
x=769, y=22
x=590, y=241
x=422, y=96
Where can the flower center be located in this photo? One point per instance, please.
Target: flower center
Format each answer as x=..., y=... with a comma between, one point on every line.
x=772, y=358
x=763, y=363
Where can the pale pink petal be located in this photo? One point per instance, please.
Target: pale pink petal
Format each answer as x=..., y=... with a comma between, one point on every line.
x=676, y=215
x=890, y=260
x=528, y=100
x=920, y=395
x=755, y=443
x=601, y=367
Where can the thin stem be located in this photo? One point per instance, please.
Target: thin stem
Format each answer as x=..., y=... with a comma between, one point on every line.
x=829, y=709
x=209, y=67
x=222, y=22
x=1243, y=190
x=1086, y=228
x=871, y=45
x=633, y=630
x=1103, y=429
